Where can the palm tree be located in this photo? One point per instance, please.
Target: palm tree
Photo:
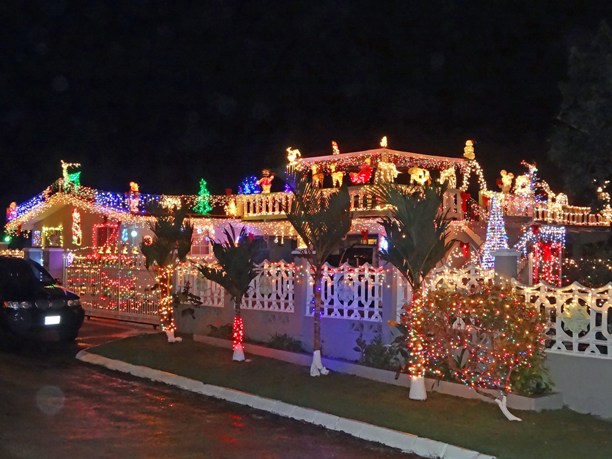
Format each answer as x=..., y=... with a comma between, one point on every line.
x=322, y=220
x=234, y=271
x=416, y=234
x=170, y=244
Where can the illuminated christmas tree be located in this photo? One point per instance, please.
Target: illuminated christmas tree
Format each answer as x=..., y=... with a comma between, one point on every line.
x=203, y=201
x=496, y=238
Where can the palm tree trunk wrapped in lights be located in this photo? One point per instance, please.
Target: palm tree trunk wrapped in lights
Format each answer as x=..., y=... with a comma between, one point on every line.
x=166, y=306
x=322, y=221
x=234, y=270
x=171, y=242
x=416, y=235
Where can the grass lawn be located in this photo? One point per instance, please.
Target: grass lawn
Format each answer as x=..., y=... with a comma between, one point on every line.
x=468, y=423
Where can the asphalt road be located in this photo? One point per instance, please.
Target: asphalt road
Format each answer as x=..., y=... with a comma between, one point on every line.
x=53, y=406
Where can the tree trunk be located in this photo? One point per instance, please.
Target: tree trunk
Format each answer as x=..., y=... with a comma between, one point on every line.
x=238, y=333
x=417, y=370
x=317, y=368
x=166, y=312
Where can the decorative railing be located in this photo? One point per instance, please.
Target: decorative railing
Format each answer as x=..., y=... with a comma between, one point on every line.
x=273, y=289
x=362, y=199
x=579, y=319
x=550, y=212
x=348, y=292
x=263, y=204
x=570, y=215
x=209, y=292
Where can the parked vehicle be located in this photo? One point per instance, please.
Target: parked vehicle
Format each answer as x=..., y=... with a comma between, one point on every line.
x=34, y=306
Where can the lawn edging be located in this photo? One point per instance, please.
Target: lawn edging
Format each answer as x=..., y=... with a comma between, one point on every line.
x=403, y=441
x=518, y=402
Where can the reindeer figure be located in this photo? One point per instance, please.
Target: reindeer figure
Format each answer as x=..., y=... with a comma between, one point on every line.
x=337, y=176
x=317, y=176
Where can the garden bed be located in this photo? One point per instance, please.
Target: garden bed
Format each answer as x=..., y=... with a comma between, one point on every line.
x=519, y=402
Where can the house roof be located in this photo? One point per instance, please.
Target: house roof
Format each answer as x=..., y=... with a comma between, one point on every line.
x=399, y=158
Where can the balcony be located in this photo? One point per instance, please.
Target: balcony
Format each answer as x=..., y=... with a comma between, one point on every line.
x=363, y=203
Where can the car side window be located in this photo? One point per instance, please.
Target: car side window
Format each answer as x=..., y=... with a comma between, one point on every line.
x=16, y=279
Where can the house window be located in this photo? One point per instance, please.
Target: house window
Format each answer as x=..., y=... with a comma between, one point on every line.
x=200, y=244
x=52, y=236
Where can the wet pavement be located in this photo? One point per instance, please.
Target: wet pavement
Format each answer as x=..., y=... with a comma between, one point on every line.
x=53, y=406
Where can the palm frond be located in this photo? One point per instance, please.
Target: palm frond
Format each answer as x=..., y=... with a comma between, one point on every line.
x=321, y=219
x=235, y=268
x=416, y=230
x=172, y=237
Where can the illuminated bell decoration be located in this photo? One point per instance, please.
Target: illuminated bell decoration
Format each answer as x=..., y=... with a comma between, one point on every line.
x=383, y=142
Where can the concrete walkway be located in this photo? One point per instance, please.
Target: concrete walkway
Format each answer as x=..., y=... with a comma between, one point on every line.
x=404, y=441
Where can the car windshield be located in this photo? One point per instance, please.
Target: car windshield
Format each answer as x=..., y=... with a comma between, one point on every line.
x=42, y=274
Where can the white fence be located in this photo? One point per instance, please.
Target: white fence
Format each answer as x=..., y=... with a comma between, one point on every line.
x=579, y=318
x=272, y=289
x=210, y=293
x=349, y=292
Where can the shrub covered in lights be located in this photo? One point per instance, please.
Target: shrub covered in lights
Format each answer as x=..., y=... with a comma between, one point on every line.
x=489, y=339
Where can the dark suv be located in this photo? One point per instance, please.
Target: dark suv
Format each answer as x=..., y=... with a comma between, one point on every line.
x=32, y=305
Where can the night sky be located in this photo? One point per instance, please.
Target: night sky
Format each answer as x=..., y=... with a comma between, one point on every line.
x=163, y=93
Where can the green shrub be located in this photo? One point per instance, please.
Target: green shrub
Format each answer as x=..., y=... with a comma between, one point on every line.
x=376, y=354
x=285, y=342
x=222, y=331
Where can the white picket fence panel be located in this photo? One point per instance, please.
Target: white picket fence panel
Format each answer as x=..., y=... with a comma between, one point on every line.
x=273, y=289
x=348, y=292
x=579, y=319
x=210, y=293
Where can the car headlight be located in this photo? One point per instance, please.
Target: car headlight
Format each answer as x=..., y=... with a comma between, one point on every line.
x=17, y=304
x=73, y=303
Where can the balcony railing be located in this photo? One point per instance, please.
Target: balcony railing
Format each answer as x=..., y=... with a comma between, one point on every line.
x=362, y=199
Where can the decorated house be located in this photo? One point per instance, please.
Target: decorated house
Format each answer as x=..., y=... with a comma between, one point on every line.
x=90, y=238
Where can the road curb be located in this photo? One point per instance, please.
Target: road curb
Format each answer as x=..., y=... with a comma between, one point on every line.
x=404, y=441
